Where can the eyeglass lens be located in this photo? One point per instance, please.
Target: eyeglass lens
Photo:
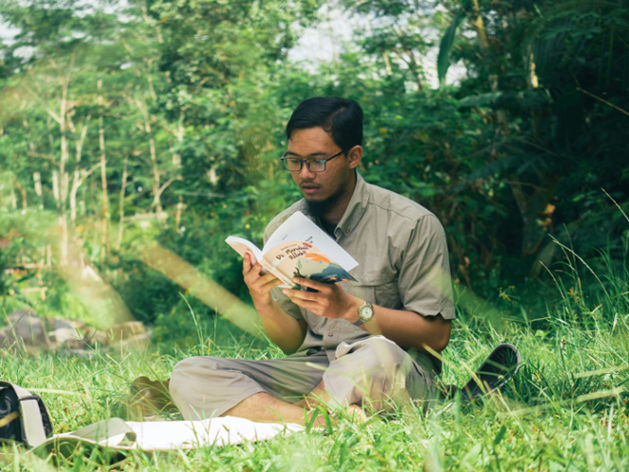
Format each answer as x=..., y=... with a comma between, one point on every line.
x=313, y=165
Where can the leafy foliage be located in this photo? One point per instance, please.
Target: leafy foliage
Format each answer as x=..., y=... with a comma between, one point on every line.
x=163, y=119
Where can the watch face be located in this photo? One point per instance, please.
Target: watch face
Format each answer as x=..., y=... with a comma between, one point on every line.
x=365, y=312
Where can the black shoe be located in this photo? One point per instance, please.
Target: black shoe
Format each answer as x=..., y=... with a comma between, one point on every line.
x=502, y=364
x=493, y=374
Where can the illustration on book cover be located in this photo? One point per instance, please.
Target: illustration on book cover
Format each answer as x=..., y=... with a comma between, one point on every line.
x=304, y=260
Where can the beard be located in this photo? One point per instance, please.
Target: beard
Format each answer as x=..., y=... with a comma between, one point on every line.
x=320, y=208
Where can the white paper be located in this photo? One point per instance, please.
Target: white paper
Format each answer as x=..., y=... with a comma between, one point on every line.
x=175, y=435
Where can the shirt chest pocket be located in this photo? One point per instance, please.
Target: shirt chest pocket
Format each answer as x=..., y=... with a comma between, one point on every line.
x=377, y=286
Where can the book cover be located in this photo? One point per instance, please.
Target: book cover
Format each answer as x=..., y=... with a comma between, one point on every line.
x=299, y=248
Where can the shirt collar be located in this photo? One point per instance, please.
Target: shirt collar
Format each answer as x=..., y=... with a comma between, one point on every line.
x=353, y=213
x=355, y=208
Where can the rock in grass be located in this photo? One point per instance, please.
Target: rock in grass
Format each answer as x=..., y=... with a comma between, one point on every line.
x=61, y=336
x=59, y=323
x=124, y=331
x=26, y=328
x=29, y=333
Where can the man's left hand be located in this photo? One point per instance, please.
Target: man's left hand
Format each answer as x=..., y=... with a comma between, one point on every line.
x=328, y=300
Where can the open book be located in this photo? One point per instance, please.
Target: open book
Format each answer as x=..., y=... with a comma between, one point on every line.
x=299, y=248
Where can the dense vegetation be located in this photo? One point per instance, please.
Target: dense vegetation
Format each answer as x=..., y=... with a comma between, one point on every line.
x=129, y=124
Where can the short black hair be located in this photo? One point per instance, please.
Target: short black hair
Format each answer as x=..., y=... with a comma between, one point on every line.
x=341, y=118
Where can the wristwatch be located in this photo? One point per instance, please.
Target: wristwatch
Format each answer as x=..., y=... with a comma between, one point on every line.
x=365, y=313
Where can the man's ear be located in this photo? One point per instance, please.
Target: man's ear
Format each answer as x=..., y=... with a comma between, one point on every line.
x=355, y=156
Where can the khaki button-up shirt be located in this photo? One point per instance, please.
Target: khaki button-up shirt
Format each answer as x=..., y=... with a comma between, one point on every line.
x=402, y=262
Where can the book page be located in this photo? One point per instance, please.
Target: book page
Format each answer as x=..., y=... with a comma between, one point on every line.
x=244, y=246
x=299, y=227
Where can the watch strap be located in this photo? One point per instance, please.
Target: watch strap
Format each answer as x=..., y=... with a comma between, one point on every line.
x=362, y=319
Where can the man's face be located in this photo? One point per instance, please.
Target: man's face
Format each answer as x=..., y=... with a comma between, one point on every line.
x=336, y=182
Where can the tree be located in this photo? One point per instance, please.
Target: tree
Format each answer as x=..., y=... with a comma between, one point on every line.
x=557, y=83
x=529, y=137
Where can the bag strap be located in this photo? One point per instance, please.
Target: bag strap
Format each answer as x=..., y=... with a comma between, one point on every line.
x=30, y=415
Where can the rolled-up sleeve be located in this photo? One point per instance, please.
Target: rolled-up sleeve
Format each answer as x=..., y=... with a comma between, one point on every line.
x=424, y=282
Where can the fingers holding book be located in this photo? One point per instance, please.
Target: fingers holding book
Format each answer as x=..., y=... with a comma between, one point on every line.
x=323, y=299
x=258, y=282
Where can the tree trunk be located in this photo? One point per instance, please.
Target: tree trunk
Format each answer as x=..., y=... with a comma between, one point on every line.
x=13, y=199
x=177, y=163
x=155, y=185
x=78, y=175
x=76, y=182
x=22, y=193
x=536, y=211
x=60, y=175
x=38, y=189
x=157, y=204
x=479, y=26
x=179, y=137
x=103, y=179
x=178, y=212
x=64, y=154
x=123, y=187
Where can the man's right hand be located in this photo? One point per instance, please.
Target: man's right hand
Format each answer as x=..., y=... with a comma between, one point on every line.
x=258, y=283
x=284, y=330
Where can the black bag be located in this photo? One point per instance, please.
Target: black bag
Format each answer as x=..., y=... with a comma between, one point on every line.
x=23, y=416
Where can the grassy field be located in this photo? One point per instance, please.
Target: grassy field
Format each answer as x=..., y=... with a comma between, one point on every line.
x=567, y=409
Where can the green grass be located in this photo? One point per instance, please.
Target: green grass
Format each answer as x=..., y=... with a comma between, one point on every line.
x=567, y=409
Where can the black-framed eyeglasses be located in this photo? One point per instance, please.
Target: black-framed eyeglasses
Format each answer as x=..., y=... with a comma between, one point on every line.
x=295, y=164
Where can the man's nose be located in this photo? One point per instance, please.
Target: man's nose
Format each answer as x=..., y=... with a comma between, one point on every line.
x=305, y=171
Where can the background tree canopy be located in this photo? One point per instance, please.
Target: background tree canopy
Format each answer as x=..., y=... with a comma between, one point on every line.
x=129, y=123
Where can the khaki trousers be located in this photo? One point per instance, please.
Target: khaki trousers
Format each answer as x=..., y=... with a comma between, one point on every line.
x=372, y=371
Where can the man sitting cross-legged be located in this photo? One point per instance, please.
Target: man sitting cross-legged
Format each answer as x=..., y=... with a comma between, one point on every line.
x=350, y=345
